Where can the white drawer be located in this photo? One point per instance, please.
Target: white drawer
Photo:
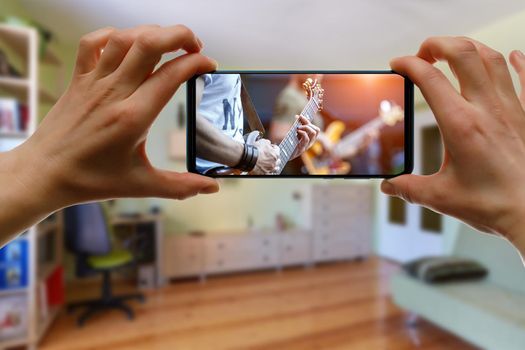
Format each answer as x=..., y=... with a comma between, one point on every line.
x=326, y=252
x=295, y=249
x=184, y=265
x=224, y=262
x=182, y=255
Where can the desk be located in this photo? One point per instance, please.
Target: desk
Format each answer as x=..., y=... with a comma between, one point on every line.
x=145, y=232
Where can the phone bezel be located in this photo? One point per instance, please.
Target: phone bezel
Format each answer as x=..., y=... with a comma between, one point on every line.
x=408, y=120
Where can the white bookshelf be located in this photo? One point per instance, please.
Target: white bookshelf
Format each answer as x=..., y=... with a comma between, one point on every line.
x=22, y=45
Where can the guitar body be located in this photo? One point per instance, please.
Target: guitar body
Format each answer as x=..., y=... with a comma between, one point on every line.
x=317, y=162
x=313, y=158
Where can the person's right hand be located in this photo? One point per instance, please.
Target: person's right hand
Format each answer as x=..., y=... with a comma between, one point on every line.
x=483, y=131
x=268, y=159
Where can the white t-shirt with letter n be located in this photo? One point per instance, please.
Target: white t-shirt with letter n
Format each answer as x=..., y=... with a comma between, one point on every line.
x=221, y=105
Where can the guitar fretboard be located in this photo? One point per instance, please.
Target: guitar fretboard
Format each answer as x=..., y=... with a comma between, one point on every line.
x=290, y=141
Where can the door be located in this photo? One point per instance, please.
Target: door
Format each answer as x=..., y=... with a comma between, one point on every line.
x=408, y=231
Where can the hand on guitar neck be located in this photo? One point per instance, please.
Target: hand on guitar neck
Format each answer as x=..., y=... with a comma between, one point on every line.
x=306, y=134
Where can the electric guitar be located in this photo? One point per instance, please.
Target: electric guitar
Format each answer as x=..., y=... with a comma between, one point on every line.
x=316, y=162
x=314, y=93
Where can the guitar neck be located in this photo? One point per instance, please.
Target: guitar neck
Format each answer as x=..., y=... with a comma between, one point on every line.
x=353, y=140
x=290, y=141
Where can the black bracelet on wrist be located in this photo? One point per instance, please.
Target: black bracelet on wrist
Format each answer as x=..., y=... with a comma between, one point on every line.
x=249, y=158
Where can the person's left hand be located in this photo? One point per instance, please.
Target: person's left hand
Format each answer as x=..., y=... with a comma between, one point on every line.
x=307, y=133
x=92, y=144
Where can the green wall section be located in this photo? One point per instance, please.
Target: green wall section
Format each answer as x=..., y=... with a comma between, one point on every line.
x=51, y=79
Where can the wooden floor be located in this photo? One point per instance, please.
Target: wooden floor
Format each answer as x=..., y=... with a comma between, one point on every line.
x=337, y=306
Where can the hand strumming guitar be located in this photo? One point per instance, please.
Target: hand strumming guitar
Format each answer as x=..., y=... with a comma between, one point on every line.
x=268, y=160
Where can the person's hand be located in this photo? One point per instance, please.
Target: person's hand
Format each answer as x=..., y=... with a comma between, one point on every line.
x=268, y=158
x=483, y=131
x=91, y=145
x=307, y=133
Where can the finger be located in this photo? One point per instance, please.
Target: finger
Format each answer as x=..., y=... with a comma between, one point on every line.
x=517, y=59
x=302, y=119
x=161, y=86
x=465, y=61
x=496, y=67
x=89, y=49
x=276, y=152
x=304, y=139
x=411, y=188
x=317, y=129
x=312, y=134
x=117, y=47
x=169, y=184
x=148, y=48
x=439, y=93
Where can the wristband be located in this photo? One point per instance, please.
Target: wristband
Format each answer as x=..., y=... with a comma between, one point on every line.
x=249, y=158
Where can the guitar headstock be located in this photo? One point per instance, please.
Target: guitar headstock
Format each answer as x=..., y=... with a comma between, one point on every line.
x=314, y=91
x=390, y=112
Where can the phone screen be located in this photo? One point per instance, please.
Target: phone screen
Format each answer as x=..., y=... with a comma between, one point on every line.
x=300, y=124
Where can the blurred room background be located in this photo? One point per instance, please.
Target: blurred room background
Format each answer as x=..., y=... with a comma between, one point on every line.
x=265, y=263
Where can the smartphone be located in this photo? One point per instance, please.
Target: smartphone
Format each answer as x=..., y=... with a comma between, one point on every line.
x=328, y=124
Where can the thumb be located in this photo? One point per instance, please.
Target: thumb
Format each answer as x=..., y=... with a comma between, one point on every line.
x=170, y=184
x=517, y=59
x=411, y=188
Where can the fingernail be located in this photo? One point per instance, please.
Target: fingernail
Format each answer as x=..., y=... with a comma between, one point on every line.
x=520, y=54
x=209, y=189
x=214, y=62
x=199, y=41
x=387, y=187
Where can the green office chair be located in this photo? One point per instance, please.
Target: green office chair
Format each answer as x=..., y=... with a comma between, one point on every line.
x=88, y=236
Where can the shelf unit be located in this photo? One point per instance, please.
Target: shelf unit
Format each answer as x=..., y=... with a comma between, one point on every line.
x=22, y=44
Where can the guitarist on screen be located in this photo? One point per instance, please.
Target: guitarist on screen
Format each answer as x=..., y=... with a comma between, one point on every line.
x=220, y=129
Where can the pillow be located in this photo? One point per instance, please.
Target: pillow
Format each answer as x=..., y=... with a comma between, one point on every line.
x=443, y=269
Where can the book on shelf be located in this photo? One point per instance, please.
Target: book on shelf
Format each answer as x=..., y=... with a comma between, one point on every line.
x=14, y=265
x=55, y=289
x=13, y=316
x=14, y=116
